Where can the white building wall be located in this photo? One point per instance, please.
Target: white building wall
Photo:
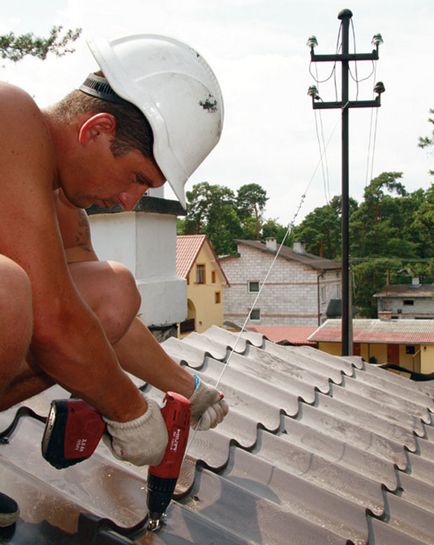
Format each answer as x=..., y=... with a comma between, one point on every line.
x=290, y=296
x=146, y=243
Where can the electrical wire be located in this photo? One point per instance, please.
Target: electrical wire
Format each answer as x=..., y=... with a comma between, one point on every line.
x=263, y=283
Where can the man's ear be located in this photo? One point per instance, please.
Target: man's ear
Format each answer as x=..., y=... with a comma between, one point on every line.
x=102, y=123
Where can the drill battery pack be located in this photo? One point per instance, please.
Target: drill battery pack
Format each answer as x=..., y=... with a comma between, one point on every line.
x=72, y=432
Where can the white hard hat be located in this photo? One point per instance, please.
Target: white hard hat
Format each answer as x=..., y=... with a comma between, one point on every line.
x=176, y=90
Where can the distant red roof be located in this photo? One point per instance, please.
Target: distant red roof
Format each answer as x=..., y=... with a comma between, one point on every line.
x=187, y=250
x=379, y=331
x=292, y=334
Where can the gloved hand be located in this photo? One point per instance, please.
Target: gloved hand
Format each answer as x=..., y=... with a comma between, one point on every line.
x=141, y=441
x=207, y=406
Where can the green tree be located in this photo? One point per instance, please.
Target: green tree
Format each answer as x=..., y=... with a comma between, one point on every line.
x=320, y=230
x=272, y=228
x=14, y=48
x=376, y=226
x=251, y=201
x=211, y=209
x=427, y=141
x=369, y=277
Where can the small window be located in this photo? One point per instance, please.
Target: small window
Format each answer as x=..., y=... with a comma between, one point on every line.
x=408, y=302
x=213, y=277
x=200, y=274
x=253, y=287
x=410, y=349
x=323, y=294
x=217, y=297
x=255, y=314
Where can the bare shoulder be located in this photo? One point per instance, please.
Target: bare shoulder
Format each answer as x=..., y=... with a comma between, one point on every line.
x=24, y=133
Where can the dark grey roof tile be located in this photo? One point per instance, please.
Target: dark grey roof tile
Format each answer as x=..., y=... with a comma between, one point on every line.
x=396, y=416
x=409, y=519
x=422, y=469
x=263, y=362
x=346, y=366
x=368, y=421
x=426, y=387
x=341, y=453
x=323, y=473
x=382, y=396
x=253, y=517
x=294, y=356
x=417, y=492
x=215, y=349
x=235, y=341
x=384, y=534
x=297, y=495
x=260, y=368
x=352, y=433
x=182, y=352
x=410, y=395
x=256, y=391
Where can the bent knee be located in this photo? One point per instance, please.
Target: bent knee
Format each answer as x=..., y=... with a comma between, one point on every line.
x=124, y=302
x=125, y=288
x=16, y=316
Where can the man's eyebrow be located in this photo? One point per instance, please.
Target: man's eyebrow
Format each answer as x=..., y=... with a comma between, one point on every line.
x=142, y=179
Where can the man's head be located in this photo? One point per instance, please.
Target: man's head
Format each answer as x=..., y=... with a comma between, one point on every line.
x=176, y=90
x=111, y=160
x=132, y=128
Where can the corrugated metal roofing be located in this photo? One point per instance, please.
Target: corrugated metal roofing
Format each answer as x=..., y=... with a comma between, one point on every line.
x=407, y=290
x=316, y=450
x=286, y=334
x=378, y=331
x=311, y=260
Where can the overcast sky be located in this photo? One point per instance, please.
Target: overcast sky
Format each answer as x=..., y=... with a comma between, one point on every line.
x=258, y=51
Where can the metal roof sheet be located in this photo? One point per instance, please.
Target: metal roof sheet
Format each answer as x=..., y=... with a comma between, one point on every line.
x=378, y=331
x=316, y=449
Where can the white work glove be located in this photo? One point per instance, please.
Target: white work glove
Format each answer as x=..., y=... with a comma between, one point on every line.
x=141, y=441
x=207, y=406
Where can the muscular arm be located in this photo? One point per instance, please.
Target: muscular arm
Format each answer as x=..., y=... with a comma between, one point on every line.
x=68, y=343
x=138, y=351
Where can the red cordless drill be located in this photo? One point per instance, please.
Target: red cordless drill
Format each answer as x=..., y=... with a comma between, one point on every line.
x=74, y=429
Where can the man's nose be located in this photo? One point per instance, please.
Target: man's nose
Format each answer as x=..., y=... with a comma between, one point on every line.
x=130, y=198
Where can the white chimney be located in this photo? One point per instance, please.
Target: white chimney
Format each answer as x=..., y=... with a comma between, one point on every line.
x=298, y=247
x=415, y=282
x=271, y=244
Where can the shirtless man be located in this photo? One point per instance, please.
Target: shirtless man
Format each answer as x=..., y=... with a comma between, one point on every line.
x=65, y=317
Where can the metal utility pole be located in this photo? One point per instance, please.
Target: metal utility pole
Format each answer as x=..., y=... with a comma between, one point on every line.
x=345, y=104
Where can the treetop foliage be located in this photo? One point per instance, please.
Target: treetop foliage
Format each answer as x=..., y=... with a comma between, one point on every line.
x=14, y=48
x=391, y=230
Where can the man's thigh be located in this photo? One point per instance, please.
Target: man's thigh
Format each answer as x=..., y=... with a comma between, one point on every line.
x=110, y=290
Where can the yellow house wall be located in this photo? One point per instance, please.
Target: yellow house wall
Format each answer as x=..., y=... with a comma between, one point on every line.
x=208, y=312
x=422, y=361
x=427, y=358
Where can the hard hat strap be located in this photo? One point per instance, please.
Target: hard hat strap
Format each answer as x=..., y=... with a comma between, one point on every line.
x=99, y=87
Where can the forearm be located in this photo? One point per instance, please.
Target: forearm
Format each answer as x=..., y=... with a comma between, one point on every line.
x=140, y=354
x=93, y=372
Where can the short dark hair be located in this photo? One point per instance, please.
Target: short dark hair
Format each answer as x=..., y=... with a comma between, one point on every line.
x=133, y=131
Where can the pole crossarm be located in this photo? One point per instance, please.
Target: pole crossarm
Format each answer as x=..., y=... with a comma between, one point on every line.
x=349, y=104
x=345, y=57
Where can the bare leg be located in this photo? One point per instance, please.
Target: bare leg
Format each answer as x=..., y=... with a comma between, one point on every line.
x=17, y=380
x=111, y=292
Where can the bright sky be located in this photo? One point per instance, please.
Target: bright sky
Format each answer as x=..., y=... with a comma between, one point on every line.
x=258, y=51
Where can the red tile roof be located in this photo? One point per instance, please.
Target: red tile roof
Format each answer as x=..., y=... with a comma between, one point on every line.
x=379, y=331
x=296, y=335
x=187, y=249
